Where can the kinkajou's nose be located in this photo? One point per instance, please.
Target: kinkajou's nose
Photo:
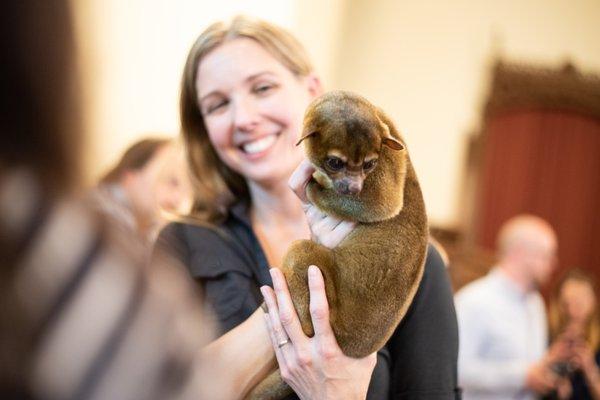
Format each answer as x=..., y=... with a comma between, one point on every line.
x=355, y=187
x=350, y=187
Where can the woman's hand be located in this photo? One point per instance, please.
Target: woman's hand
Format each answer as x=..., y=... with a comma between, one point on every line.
x=326, y=230
x=561, y=350
x=314, y=367
x=584, y=358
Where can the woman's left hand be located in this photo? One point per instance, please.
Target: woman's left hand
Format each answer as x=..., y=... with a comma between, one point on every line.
x=314, y=367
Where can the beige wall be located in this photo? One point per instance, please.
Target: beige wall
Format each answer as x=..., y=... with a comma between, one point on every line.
x=424, y=62
x=132, y=54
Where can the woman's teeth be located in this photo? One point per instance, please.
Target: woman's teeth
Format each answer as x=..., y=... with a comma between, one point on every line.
x=259, y=145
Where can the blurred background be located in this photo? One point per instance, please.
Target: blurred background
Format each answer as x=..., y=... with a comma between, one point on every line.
x=499, y=101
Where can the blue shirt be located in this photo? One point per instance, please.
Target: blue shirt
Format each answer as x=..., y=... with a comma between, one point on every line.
x=502, y=332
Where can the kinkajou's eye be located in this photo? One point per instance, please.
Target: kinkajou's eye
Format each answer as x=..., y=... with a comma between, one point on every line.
x=370, y=164
x=334, y=163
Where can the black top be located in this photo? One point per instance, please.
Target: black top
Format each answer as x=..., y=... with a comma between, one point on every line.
x=579, y=385
x=418, y=362
x=581, y=390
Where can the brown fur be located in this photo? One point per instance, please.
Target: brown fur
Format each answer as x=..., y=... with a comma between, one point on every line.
x=372, y=276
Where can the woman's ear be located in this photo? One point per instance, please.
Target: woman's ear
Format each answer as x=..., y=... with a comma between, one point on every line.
x=315, y=88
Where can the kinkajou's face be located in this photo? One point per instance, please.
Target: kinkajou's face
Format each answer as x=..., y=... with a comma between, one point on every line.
x=348, y=174
x=344, y=137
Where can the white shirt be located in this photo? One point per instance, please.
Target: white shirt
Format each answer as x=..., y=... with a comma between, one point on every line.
x=502, y=332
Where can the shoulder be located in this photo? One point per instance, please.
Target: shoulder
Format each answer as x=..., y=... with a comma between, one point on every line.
x=483, y=298
x=190, y=232
x=475, y=291
x=435, y=289
x=207, y=251
x=183, y=238
x=538, y=303
x=433, y=298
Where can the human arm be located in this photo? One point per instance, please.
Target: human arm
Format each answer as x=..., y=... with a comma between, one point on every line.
x=314, y=367
x=238, y=360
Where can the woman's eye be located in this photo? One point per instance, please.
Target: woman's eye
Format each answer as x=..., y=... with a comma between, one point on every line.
x=369, y=164
x=334, y=163
x=263, y=88
x=211, y=108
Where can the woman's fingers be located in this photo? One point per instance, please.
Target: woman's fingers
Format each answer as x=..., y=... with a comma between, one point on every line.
x=326, y=229
x=287, y=312
x=330, y=231
x=300, y=179
x=279, y=333
x=319, y=308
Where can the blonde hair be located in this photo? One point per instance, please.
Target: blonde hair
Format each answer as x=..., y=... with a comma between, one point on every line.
x=216, y=187
x=558, y=319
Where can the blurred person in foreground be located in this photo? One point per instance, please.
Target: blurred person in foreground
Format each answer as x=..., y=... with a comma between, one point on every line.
x=81, y=315
x=574, y=322
x=502, y=318
x=145, y=183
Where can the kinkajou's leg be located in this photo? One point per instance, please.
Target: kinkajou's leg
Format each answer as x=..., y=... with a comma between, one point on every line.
x=300, y=256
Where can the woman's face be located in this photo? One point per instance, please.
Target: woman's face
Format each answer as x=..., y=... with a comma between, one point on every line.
x=577, y=300
x=253, y=108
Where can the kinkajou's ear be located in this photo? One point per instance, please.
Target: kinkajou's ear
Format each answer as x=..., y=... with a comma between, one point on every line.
x=388, y=140
x=310, y=134
x=393, y=143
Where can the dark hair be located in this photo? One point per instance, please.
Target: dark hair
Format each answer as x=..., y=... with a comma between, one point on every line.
x=135, y=158
x=40, y=121
x=556, y=317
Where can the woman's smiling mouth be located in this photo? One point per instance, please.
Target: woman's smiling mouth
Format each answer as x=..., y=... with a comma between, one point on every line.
x=259, y=146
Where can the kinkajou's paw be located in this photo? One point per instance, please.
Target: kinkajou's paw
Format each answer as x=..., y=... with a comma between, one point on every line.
x=322, y=179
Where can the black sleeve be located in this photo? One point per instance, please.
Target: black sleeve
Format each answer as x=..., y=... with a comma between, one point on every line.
x=170, y=241
x=223, y=272
x=424, y=347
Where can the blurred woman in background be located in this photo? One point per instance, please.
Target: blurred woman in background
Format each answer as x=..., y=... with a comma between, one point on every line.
x=575, y=329
x=147, y=184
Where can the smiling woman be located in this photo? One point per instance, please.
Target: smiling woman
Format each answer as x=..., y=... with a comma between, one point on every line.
x=245, y=89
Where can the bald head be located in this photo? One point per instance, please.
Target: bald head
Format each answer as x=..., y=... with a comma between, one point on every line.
x=528, y=244
x=525, y=231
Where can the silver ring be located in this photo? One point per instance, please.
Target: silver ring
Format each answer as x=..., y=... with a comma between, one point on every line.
x=283, y=343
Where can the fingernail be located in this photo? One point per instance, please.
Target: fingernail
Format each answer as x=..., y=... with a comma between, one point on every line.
x=263, y=290
x=312, y=271
x=274, y=276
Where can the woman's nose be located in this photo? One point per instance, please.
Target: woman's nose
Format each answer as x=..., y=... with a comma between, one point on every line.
x=246, y=116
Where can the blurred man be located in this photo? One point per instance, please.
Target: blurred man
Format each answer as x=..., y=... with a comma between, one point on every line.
x=502, y=320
